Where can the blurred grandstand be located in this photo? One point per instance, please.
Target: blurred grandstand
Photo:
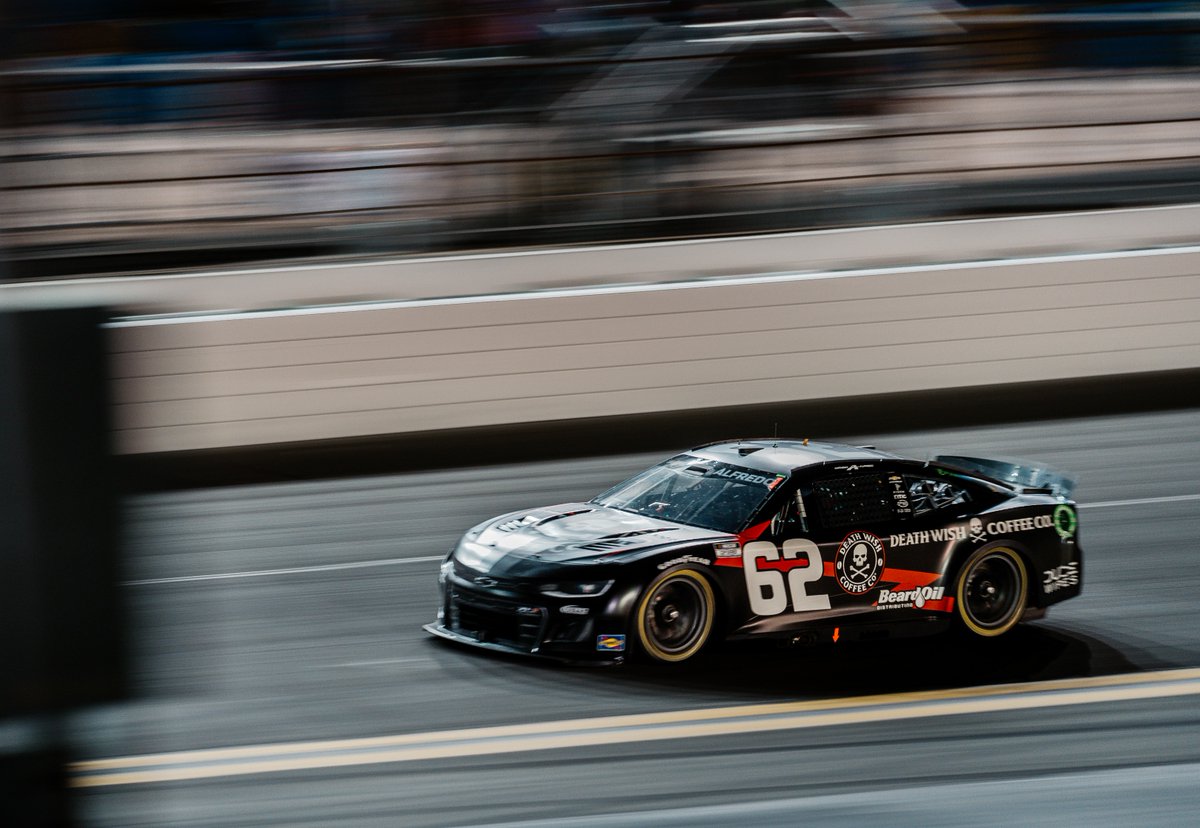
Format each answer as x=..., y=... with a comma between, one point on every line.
x=139, y=136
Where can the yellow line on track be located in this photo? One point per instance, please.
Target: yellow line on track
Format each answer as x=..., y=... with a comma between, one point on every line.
x=678, y=724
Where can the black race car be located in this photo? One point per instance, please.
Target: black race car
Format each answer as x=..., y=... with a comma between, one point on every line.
x=799, y=540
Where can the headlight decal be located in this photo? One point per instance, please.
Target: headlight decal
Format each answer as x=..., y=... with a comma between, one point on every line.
x=576, y=589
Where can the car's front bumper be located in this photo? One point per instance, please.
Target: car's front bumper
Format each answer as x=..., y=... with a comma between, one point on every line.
x=513, y=620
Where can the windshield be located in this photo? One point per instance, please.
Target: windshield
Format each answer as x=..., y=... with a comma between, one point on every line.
x=695, y=491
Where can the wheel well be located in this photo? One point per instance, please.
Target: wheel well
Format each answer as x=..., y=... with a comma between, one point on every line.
x=721, y=608
x=1012, y=612
x=963, y=553
x=689, y=572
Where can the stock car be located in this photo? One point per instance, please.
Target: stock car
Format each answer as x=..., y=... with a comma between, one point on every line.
x=798, y=540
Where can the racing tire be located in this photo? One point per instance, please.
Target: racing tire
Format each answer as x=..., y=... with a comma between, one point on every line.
x=991, y=591
x=675, y=615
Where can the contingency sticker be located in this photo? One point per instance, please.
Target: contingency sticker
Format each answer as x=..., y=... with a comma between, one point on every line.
x=613, y=643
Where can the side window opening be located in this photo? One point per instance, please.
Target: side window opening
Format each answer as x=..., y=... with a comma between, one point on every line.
x=857, y=500
x=791, y=516
x=927, y=495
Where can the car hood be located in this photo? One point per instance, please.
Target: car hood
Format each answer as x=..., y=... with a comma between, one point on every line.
x=574, y=533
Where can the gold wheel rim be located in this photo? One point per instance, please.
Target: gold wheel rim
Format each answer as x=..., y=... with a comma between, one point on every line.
x=1019, y=599
x=707, y=601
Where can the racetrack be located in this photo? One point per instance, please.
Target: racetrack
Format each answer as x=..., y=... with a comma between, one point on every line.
x=291, y=613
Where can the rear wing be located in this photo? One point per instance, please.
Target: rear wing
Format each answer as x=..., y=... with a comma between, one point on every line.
x=1029, y=477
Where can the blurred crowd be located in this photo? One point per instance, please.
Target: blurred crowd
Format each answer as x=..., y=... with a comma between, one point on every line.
x=407, y=29
x=365, y=126
x=386, y=29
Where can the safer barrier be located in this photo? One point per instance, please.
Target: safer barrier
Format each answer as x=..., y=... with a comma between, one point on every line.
x=240, y=380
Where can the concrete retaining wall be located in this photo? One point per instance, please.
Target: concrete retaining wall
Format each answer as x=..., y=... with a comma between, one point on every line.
x=222, y=381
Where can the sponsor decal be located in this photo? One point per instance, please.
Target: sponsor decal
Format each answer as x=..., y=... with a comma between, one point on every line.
x=571, y=609
x=613, y=643
x=899, y=599
x=484, y=581
x=1060, y=577
x=1062, y=521
x=1065, y=521
x=1022, y=524
x=728, y=549
x=949, y=533
x=528, y=611
x=855, y=467
x=684, y=559
x=900, y=495
x=770, y=481
x=859, y=562
x=975, y=527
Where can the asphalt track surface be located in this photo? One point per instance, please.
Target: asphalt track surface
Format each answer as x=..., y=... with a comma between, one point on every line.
x=278, y=614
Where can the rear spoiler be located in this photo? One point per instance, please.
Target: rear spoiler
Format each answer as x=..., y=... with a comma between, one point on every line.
x=1029, y=477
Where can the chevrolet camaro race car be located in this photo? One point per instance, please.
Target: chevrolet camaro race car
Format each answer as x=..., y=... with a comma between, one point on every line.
x=798, y=540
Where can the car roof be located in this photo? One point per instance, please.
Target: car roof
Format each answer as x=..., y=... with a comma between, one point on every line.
x=786, y=456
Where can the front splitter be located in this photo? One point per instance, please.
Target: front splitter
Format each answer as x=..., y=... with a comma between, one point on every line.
x=441, y=631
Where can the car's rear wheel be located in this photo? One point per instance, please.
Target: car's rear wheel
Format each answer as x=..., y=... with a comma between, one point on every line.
x=991, y=591
x=674, y=617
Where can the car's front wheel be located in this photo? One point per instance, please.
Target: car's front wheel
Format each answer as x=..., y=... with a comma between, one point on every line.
x=674, y=617
x=991, y=591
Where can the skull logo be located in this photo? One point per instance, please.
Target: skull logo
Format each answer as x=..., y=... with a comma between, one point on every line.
x=860, y=562
x=976, y=527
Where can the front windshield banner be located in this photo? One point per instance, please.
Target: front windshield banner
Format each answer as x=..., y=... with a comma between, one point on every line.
x=695, y=491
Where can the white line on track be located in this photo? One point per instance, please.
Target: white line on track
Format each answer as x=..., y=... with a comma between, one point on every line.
x=1140, y=501
x=247, y=760
x=295, y=570
x=383, y=662
x=301, y=570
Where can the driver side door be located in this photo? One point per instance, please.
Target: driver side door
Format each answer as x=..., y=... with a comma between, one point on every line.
x=823, y=554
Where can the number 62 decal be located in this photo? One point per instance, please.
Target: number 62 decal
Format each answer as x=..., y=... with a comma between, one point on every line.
x=766, y=587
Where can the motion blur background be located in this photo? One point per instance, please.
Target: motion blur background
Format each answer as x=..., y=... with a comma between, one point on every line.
x=141, y=136
x=272, y=199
